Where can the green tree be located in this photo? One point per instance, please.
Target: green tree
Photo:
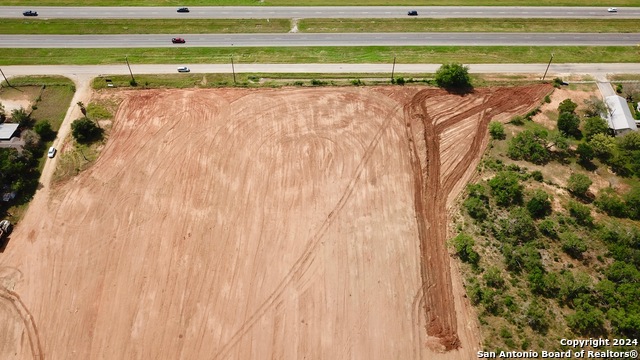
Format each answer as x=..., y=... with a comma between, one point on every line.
x=31, y=140
x=453, y=76
x=85, y=131
x=463, y=245
x=609, y=202
x=580, y=212
x=476, y=208
x=632, y=202
x=595, y=125
x=496, y=130
x=548, y=228
x=21, y=116
x=579, y=184
x=530, y=146
x=595, y=107
x=585, y=152
x=587, y=320
x=603, y=146
x=539, y=205
x=537, y=317
x=43, y=128
x=517, y=227
x=506, y=188
x=567, y=106
x=572, y=245
x=568, y=124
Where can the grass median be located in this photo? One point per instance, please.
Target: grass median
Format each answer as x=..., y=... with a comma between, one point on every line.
x=330, y=54
x=178, y=3
x=227, y=26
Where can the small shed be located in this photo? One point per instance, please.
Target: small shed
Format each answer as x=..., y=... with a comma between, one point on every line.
x=619, y=118
x=7, y=130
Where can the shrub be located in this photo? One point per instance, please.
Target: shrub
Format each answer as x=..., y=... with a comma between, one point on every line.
x=506, y=188
x=595, y=125
x=85, y=131
x=579, y=184
x=585, y=152
x=587, y=320
x=474, y=292
x=567, y=106
x=517, y=120
x=568, y=124
x=21, y=117
x=632, y=202
x=580, y=212
x=493, y=278
x=400, y=81
x=548, y=228
x=43, y=128
x=603, y=146
x=529, y=146
x=539, y=205
x=453, y=76
x=537, y=176
x=476, y=208
x=609, y=202
x=547, y=99
x=537, y=317
x=572, y=245
x=463, y=245
x=496, y=130
x=517, y=227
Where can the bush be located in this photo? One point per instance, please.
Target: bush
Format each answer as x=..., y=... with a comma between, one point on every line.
x=453, y=76
x=463, y=245
x=85, y=131
x=43, y=128
x=21, y=117
x=595, y=125
x=476, y=208
x=603, y=146
x=517, y=120
x=539, y=205
x=537, y=176
x=506, y=188
x=548, y=228
x=547, y=99
x=585, y=152
x=537, y=317
x=573, y=245
x=493, y=278
x=580, y=212
x=568, y=124
x=567, y=106
x=609, y=202
x=587, y=320
x=529, y=146
x=496, y=130
x=632, y=202
x=579, y=184
x=400, y=81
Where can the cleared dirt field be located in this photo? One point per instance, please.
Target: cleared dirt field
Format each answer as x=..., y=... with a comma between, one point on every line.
x=252, y=224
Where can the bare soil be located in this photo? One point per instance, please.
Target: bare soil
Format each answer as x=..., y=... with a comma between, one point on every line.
x=237, y=224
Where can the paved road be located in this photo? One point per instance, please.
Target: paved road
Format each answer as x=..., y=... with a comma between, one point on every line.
x=299, y=39
x=275, y=12
x=85, y=71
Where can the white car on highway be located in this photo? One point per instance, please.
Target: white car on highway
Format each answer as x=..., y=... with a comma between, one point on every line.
x=612, y=9
x=183, y=69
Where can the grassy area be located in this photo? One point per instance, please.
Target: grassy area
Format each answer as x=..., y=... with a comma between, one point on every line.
x=178, y=3
x=142, y=26
x=39, y=81
x=223, y=26
x=76, y=159
x=467, y=25
x=350, y=55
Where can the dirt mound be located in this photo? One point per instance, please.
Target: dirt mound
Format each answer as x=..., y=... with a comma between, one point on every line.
x=290, y=223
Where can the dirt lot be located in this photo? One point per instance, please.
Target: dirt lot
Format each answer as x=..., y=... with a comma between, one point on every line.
x=271, y=223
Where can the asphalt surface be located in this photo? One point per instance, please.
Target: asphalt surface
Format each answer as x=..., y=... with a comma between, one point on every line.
x=341, y=39
x=276, y=12
x=88, y=71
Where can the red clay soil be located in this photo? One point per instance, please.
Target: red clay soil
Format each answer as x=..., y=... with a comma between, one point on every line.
x=270, y=223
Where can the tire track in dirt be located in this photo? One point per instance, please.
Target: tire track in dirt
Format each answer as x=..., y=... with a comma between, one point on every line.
x=304, y=261
x=29, y=324
x=433, y=188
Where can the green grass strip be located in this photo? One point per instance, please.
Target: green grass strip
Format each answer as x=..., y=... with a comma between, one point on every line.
x=224, y=26
x=351, y=55
x=178, y=3
x=468, y=25
x=142, y=26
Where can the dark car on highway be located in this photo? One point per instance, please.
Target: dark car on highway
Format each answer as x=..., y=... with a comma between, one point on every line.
x=412, y=13
x=178, y=41
x=30, y=13
x=183, y=9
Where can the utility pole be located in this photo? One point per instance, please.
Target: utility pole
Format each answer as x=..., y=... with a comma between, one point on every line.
x=5, y=78
x=549, y=64
x=393, y=69
x=233, y=69
x=133, y=80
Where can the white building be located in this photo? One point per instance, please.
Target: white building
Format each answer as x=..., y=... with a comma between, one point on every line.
x=619, y=117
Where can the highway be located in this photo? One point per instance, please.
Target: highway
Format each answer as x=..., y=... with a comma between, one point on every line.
x=277, y=12
x=340, y=39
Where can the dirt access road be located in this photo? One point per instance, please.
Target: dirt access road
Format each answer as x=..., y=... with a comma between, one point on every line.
x=238, y=224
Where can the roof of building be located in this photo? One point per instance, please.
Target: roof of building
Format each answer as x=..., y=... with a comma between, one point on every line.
x=620, y=116
x=6, y=130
